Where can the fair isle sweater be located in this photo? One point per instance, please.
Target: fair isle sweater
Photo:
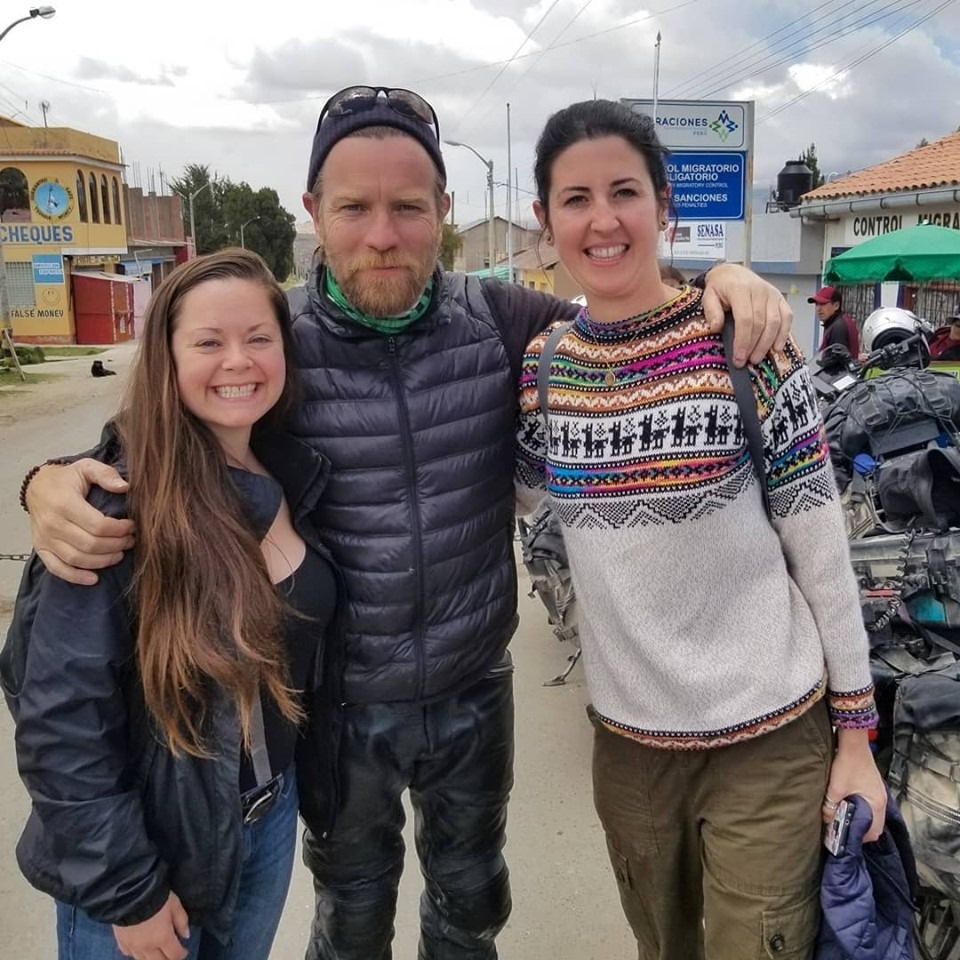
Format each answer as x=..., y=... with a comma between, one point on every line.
x=701, y=623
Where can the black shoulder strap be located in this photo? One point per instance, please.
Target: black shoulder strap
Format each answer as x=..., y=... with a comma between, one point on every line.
x=747, y=402
x=543, y=367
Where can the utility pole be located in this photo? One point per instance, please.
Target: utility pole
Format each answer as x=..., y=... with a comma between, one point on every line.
x=509, y=203
x=656, y=77
x=491, y=222
x=193, y=224
x=243, y=245
x=491, y=242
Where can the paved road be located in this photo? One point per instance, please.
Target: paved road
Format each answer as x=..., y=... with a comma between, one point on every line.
x=565, y=900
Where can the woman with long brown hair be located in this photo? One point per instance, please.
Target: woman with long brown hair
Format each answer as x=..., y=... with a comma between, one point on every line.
x=157, y=713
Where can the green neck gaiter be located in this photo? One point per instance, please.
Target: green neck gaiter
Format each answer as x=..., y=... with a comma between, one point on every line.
x=385, y=325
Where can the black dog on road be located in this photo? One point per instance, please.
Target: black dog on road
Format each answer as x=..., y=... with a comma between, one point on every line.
x=99, y=370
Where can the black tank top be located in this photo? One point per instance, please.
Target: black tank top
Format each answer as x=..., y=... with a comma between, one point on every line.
x=311, y=590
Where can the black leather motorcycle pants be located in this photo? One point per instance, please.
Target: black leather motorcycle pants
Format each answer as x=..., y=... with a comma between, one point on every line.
x=456, y=758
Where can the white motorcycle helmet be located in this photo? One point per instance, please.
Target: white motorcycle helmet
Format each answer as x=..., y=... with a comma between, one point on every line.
x=888, y=325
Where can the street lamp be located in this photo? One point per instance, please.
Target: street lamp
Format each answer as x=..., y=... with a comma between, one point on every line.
x=45, y=13
x=6, y=331
x=242, y=225
x=490, y=225
x=193, y=225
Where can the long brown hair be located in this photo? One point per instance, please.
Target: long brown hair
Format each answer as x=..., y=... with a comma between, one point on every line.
x=207, y=612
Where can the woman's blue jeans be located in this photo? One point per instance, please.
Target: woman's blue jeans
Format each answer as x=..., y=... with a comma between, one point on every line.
x=269, y=846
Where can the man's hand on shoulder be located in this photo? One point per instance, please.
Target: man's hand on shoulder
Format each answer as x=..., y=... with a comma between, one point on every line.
x=71, y=537
x=762, y=318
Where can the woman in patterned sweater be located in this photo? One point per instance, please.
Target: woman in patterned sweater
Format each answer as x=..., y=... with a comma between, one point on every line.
x=720, y=648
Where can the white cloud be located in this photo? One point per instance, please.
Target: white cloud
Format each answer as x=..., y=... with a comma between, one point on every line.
x=813, y=76
x=239, y=86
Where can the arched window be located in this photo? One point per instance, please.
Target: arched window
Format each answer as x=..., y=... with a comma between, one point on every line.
x=81, y=197
x=14, y=196
x=117, y=207
x=105, y=194
x=94, y=202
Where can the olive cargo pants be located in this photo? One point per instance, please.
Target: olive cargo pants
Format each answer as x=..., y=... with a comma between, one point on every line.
x=717, y=853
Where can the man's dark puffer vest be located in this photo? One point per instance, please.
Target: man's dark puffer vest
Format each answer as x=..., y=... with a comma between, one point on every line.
x=418, y=510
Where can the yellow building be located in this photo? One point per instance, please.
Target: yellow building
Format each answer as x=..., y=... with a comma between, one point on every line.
x=61, y=213
x=534, y=268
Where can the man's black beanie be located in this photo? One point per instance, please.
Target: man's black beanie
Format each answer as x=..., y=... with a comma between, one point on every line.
x=335, y=128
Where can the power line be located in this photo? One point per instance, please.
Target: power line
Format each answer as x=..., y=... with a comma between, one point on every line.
x=438, y=78
x=17, y=98
x=506, y=63
x=543, y=53
x=503, y=183
x=554, y=45
x=10, y=105
x=723, y=64
x=66, y=83
x=855, y=63
x=16, y=111
x=873, y=51
x=799, y=42
x=565, y=44
x=804, y=49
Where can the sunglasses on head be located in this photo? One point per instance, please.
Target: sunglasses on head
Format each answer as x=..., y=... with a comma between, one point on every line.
x=406, y=103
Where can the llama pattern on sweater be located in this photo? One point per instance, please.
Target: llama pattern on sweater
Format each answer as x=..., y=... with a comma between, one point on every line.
x=646, y=430
x=647, y=466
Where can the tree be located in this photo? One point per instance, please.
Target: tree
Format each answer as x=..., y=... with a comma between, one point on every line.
x=221, y=209
x=211, y=233
x=923, y=142
x=268, y=228
x=809, y=157
x=451, y=243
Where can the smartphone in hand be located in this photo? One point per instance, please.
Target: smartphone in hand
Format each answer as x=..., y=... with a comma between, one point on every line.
x=835, y=835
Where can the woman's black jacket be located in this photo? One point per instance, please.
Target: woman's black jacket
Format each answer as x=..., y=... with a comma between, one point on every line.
x=117, y=821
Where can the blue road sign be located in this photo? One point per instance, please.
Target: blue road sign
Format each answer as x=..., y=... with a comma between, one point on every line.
x=708, y=186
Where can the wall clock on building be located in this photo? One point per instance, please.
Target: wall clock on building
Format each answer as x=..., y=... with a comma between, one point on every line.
x=51, y=199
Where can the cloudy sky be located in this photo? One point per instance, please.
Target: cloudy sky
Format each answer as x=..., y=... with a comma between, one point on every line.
x=239, y=86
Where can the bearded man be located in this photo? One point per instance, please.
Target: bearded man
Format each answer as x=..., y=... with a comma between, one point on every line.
x=410, y=392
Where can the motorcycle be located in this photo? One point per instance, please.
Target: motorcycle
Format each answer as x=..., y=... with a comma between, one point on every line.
x=893, y=426
x=545, y=559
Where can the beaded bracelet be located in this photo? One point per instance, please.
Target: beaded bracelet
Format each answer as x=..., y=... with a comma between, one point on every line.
x=32, y=472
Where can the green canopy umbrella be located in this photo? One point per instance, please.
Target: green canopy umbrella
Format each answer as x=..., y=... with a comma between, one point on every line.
x=913, y=254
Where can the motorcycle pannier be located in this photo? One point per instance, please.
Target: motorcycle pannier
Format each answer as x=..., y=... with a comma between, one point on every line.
x=923, y=485
x=925, y=773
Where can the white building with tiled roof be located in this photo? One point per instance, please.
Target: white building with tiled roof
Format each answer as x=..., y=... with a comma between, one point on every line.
x=921, y=186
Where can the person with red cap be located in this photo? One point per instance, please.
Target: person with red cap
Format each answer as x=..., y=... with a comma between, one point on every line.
x=945, y=344
x=838, y=327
